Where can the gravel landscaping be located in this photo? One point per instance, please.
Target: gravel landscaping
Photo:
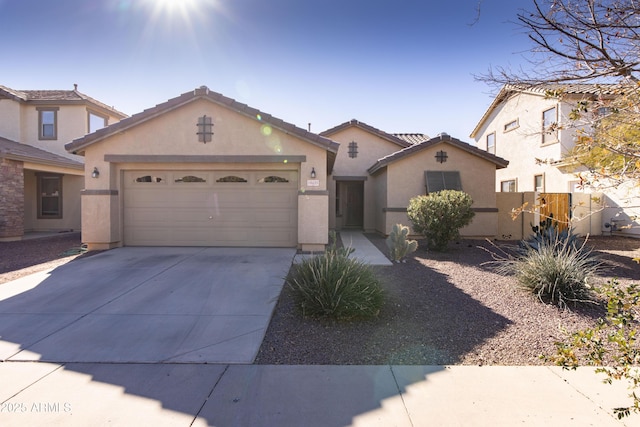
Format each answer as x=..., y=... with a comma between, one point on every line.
x=24, y=257
x=442, y=309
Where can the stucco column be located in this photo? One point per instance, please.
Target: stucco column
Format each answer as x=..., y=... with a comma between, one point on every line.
x=101, y=207
x=12, y=202
x=313, y=220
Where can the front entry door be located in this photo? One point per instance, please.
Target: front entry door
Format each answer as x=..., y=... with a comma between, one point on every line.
x=354, y=209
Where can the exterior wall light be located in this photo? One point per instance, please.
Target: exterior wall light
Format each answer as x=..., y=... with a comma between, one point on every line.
x=313, y=173
x=95, y=173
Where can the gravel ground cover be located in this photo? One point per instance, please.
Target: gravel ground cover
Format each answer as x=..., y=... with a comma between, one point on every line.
x=24, y=257
x=442, y=309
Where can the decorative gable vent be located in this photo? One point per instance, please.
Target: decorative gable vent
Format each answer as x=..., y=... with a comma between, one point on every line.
x=205, y=129
x=353, y=149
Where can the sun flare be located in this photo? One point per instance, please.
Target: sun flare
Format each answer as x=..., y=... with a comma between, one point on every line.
x=185, y=10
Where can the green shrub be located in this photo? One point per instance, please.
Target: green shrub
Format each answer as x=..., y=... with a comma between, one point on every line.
x=397, y=242
x=557, y=271
x=440, y=216
x=611, y=345
x=334, y=285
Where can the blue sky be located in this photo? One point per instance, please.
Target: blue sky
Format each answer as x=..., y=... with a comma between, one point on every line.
x=398, y=65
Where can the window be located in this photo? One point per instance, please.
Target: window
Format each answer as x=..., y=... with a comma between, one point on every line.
x=49, y=196
x=47, y=123
x=549, y=125
x=231, y=178
x=149, y=178
x=508, y=186
x=96, y=122
x=273, y=178
x=538, y=183
x=442, y=180
x=190, y=178
x=491, y=143
x=353, y=149
x=511, y=125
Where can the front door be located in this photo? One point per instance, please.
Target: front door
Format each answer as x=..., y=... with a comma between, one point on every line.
x=354, y=207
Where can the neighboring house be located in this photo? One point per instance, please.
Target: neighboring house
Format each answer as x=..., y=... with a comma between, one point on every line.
x=40, y=182
x=531, y=129
x=376, y=174
x=205, y=170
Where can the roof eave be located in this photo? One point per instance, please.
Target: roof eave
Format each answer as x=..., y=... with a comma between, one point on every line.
x=367, y=128
x=499, y=162
x=30, y=159
x=78, y=146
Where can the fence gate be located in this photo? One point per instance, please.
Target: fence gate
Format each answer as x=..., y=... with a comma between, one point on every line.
x=556, y=206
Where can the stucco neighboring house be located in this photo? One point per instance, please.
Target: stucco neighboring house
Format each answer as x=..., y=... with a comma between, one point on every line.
x=40, y=182
x=532, y=130
x=202, y=169
x=377, y=173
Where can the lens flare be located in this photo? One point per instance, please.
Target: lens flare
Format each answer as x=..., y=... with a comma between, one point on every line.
x=266, y=130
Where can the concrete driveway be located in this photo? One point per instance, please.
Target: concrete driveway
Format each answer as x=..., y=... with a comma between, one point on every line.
x=146, y=305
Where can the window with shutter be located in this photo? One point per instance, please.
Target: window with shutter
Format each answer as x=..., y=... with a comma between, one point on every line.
x=442, y=180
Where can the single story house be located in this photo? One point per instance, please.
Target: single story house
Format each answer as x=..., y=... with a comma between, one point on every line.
x=378, y=173
x=205, y=170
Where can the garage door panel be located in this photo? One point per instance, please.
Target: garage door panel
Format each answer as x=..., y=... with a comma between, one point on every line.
x=154, y=236
x=183, y=211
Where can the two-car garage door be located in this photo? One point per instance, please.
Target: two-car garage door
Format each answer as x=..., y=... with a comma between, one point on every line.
x=210, y=208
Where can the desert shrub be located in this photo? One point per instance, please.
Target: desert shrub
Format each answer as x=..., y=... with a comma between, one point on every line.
x=611, y=345
x=547, y=233
x=440, y=216
x=397, y=242
x=557, y=271
x=337, y=286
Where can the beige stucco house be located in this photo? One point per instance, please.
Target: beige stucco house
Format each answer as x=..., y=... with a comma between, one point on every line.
x=376, y=174
x=532, y=130
x=40, y=182
x=205, y=170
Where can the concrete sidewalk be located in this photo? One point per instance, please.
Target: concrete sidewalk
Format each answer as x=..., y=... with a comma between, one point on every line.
x=188, y=392
x=363, y=249
x=78, y=394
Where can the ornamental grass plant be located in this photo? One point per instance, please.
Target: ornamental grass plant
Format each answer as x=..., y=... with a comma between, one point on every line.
x=336, y=286
x=556, y=270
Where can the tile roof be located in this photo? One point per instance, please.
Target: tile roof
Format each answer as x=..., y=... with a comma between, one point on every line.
x=571, y=88
x=57, y=96
x=412, y=138
x=506, y=91
x=355, y=123
x=203, y=92
x=442, y=138
x=26, y=153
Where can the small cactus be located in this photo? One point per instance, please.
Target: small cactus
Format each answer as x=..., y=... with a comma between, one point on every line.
x=399, y=246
